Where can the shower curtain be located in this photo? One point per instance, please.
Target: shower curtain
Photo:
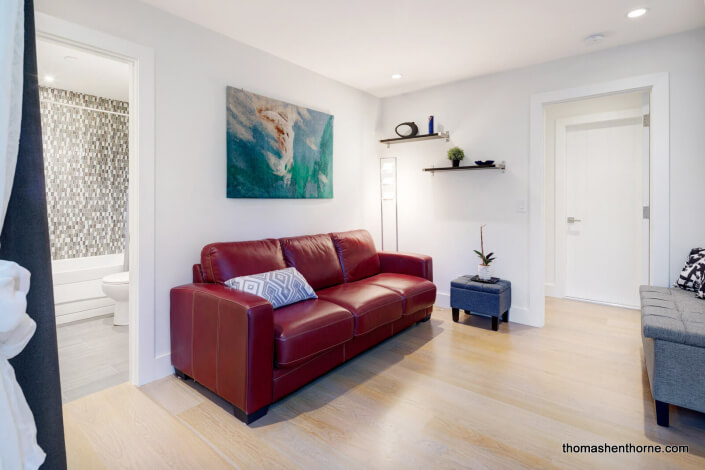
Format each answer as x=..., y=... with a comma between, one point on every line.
x=28, y=349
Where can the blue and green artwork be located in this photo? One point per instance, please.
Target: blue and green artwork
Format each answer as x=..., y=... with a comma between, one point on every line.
x=277, y=149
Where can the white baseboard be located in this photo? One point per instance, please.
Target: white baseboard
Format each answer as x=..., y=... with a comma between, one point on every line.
x=81, y=305
x=85, y=314
x=552, y=290
x=443, y=299
x=516, y=314
x=597, y=302
x=162, y=366
x=522, y=316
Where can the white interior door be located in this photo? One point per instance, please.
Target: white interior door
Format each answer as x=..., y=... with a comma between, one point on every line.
x=602, y=161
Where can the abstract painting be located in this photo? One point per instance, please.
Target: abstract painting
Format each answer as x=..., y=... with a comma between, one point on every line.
x=277, y=149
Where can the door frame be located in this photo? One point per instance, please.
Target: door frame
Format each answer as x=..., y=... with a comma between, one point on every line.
x=558, y=288
x=658, y=85
x=142, y=362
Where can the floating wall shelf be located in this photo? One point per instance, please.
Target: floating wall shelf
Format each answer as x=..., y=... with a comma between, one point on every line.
x=499, y=166
x=400, y=140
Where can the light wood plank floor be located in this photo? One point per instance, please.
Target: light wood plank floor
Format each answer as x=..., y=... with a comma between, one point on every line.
x=440, y=395
x=93, y=356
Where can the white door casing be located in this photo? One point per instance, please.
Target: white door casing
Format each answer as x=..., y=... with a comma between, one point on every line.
x=144, y=365
x=646, y=188
x=659, y=159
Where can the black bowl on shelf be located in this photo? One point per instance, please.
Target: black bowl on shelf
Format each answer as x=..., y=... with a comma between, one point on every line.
x=484, y=163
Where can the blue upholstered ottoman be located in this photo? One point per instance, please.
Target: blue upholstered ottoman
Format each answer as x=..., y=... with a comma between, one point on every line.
x=476, y=297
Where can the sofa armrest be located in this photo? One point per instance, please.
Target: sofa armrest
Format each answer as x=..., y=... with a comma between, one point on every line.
x=224, y=339
x=406, y=263
x=198, y=276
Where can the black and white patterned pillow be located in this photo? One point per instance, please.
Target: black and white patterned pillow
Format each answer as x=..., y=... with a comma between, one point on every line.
x=696, y=254
x=692, y=276
x=701, y=292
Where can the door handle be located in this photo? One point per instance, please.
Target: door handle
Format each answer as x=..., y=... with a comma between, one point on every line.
x=572, y=220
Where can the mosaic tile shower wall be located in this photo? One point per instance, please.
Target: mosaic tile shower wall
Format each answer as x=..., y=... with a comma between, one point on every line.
x=85, y=141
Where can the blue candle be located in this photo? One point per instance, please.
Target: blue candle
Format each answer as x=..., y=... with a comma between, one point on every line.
x=430, y=124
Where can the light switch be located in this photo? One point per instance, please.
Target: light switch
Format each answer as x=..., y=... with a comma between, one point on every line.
x=521, y=205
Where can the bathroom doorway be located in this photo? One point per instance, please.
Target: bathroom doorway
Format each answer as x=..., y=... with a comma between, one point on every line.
x=85, y=113
x=145, y=364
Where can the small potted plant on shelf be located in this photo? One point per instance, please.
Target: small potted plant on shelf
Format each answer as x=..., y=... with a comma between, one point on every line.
x=455, y=155
x=483, y=270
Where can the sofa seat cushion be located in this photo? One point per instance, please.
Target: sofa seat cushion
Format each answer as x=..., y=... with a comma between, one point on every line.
x=672, y=315
x=372, y=306
x=416, y=293
x=305, y=329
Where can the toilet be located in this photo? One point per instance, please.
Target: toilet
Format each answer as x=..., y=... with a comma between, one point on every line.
x=117, y=287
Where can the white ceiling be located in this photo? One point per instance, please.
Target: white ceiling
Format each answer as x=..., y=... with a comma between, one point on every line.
x=362, y=42
x=87, y=73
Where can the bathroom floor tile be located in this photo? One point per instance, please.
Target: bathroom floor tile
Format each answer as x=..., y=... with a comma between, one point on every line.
x=93, y=356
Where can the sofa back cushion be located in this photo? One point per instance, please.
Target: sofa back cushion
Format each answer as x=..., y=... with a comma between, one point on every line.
x=223, y=261
x=314, y=256
x=357, y=253
x=281, y=287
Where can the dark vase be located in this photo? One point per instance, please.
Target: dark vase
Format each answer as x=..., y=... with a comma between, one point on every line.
x=456, y=163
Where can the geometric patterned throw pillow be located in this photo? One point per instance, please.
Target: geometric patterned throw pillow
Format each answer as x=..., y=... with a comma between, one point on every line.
x=701, y=292
x=692, y=276
x=280, y=288
x=696, y=254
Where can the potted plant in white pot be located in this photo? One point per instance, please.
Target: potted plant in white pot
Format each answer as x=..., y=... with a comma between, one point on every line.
x=483, y=269
x=455, y=155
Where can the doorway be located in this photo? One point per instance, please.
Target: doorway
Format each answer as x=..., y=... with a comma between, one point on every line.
x=84, y=108
x=659, y=181
x=144, y=365
x=597, y=199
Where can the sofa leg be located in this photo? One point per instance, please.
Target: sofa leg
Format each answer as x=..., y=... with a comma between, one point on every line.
x=456, y=314
x=424, y=319
x=505, y=316
x=181, y=375
x=495, y=323
x=247, y=419
x=661, y=413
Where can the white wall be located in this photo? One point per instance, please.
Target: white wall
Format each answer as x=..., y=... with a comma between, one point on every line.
x=439, y=215
x=554, y=112
x=193, y=68
x=489, y=117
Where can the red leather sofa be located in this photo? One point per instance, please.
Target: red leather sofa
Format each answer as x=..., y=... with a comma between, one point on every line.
x=236, y=345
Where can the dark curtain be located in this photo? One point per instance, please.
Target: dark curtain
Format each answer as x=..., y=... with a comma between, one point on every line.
x=25, y=240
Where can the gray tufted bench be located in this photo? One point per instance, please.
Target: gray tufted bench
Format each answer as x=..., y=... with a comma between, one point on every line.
x=673, y=333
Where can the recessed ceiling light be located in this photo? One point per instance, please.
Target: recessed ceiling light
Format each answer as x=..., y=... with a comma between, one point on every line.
x=396, y=76
x=594, y=39
x=70, y=57
x=48, y=78
x=637, y=13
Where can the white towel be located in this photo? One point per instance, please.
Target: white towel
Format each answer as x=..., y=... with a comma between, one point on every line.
x=18, y=434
